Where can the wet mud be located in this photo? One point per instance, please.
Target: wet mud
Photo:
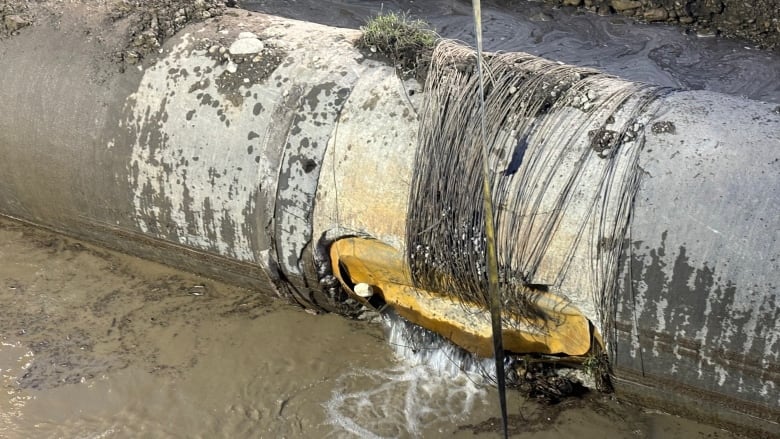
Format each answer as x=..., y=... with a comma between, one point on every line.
x=71, y=304
x=757, y=21
x=99, y=344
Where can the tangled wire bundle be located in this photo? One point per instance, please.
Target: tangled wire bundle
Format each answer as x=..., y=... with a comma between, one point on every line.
x=563, y=144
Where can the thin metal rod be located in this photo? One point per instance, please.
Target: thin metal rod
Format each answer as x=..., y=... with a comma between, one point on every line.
x=490, y=233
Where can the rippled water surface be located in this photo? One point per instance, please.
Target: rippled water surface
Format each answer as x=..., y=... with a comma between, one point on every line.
x=95, y=344
x=658, y=54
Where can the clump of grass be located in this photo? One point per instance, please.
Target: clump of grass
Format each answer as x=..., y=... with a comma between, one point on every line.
x=597, y=365
x=404, y=40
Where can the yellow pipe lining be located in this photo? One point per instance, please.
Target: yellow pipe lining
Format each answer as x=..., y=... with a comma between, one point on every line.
x=564, y=330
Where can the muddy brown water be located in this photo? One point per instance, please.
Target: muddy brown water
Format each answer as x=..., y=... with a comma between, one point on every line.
x=96, y=344
x=652, y=53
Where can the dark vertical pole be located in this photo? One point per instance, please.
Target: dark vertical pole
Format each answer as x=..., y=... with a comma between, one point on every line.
x=490, y=234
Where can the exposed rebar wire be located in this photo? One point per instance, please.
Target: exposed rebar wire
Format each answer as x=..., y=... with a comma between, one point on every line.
x=563, y=142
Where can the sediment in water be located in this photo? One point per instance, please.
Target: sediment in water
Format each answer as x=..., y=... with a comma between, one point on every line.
x=757, y=21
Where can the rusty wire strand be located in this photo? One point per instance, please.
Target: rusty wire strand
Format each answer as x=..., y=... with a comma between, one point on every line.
x=563, y=145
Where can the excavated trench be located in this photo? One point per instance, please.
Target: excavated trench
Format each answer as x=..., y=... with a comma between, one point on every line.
x=275, y=155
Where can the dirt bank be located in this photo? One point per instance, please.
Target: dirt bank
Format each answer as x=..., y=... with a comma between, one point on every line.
x=757, y=21
x=141, y=26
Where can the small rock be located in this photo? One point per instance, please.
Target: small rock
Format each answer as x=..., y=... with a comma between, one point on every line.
x=14, y=22
x=625, y=5
x=246, y=46
x=245, y=35
x=656, y=14
x=663, y=127
x=604, y=11
x=213, y=49
x=328, y=281
x=706, y=33
x=541, y=17
x=132, y=57
x=198, y=290
x=256, y=59
x=572, y=2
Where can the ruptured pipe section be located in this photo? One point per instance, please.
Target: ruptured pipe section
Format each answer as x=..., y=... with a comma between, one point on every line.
x=563, y=330
x=273, y=154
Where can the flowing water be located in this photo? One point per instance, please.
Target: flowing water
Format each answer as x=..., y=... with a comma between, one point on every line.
x=656, y=54
x=95, y=344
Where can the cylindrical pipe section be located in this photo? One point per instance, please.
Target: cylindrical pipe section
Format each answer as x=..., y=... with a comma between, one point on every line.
x=248, y=143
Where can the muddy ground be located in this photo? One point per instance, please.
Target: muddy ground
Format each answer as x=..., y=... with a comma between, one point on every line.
x=71, y=303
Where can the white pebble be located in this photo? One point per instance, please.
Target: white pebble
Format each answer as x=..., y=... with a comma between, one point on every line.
x=246, y=46
x=364, y=290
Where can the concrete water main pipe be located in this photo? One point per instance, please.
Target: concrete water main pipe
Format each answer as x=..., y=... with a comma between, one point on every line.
x=272, y=153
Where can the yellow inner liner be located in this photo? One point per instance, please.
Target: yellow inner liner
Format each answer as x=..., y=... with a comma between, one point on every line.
x=563, y=330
